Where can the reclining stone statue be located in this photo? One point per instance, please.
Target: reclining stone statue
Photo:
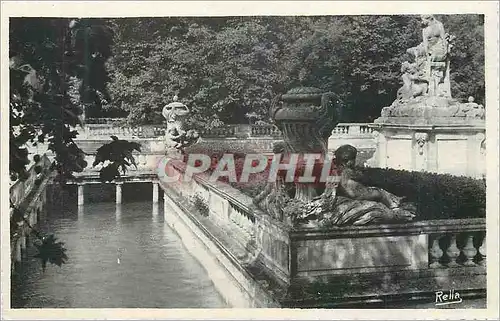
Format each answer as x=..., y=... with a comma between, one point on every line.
x=347, y=203
x=356, y=204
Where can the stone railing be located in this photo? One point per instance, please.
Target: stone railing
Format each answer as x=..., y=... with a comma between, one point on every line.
x=388, y=260
x=108, y=121
x=121, y=131
x=408, y=260
x=227, y=206
x=352, y=129
x=433, y=245
x=116, y=126
x=145, y=162
x=223, y=131
x=20, y=189
x=268, y=130
x=30, y=197
x=236, y=138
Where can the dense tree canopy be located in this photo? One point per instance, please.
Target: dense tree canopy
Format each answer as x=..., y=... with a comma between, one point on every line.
x=57, y=70
x=224, y=68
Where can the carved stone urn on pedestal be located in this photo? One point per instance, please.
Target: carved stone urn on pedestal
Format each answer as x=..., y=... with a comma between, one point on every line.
x=306, y=117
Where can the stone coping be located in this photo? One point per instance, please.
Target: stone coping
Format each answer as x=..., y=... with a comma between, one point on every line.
x=429, y=123
x=413, y=228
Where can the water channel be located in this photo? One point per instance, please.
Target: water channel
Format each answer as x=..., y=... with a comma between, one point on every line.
x=120, y=256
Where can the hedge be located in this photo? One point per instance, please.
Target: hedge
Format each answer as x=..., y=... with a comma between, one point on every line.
x=437, y=196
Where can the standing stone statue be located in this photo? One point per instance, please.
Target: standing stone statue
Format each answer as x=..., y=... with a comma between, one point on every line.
x=429, y=74
x=426, y=90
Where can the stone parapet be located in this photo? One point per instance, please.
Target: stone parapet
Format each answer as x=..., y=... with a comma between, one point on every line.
x=275, y=265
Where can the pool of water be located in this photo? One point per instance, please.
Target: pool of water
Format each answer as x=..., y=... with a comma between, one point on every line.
x=119, y=257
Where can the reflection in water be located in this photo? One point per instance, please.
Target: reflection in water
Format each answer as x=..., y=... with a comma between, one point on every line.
x=155, y=212
x=119, y=257
x=118, y=212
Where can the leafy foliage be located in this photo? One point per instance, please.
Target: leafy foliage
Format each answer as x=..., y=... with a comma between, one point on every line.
x=200, y=205
x=56, y=71
x=119, y=155
x=49, y=250
x=227, y=67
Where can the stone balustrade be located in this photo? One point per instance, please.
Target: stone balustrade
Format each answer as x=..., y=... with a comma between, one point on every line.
x=412, y=258
x=20, y=189
x=96, y=130
x=269, y=130
x=29, y=196
x=110, y=126
x=237, y=138
x=346, y=129
x=425, y=245
x=224, y=131
x=446, y=251
x=104, y=120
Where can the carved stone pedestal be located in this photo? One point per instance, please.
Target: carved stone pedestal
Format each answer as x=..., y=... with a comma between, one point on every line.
x=456, y=148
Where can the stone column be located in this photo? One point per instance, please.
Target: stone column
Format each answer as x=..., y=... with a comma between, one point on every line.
x=80, y=194
x=119, y=193
x=381, y=151
x=155, y=192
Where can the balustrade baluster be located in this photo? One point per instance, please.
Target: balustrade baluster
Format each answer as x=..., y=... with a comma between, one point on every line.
x=482, y=252
x=453, y=252
x=238, y=219
x=435, y=253
x=235, y=217
x=246, y=226
x=469, y=251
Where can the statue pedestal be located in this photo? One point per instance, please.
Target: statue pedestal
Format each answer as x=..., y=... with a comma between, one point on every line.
x=446, y=145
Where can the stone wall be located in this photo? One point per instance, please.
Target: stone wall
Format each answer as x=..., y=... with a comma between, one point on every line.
x=309, y=267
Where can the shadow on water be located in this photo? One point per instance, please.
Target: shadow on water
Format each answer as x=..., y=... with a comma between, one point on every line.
x=120, y=256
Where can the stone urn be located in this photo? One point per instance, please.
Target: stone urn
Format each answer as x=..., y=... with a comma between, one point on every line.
x=306, y=117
